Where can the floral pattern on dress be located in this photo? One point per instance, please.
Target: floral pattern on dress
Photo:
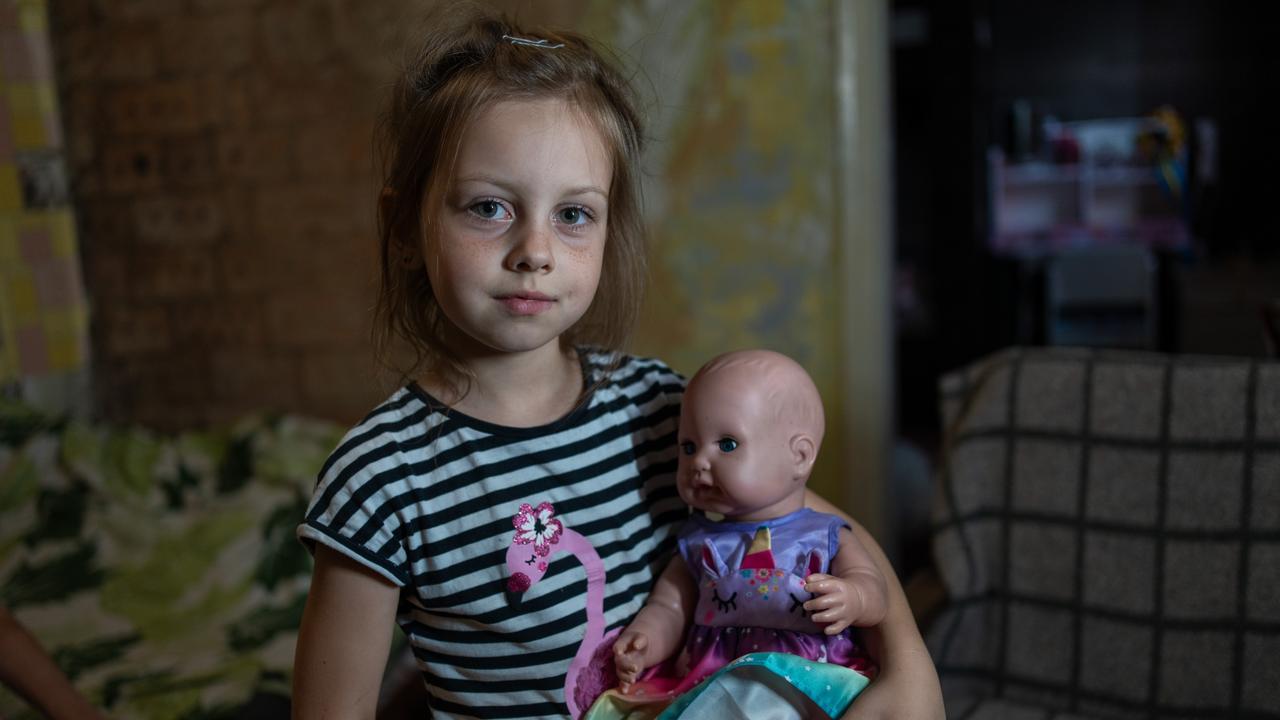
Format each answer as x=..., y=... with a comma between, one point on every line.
x=537, y=526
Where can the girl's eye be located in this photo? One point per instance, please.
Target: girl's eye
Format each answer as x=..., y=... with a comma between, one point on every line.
x=687, y=447
x=573, y=215
x=489, y=210
x=728, y=445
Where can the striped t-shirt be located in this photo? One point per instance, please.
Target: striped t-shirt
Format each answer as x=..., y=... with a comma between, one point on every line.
x=433, y=500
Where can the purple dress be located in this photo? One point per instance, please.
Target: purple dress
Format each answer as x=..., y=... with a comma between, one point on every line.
x=750, y=578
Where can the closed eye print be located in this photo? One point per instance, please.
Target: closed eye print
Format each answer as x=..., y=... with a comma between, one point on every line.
x=728, y=604
x=798, y=605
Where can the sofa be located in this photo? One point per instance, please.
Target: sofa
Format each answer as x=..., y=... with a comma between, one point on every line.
x=1107, y=529
x=161, y=573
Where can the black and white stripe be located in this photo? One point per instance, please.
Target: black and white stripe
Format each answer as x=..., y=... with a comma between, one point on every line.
x=425, y=496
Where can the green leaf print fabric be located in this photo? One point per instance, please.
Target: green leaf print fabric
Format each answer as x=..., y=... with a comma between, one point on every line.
x=160, y=573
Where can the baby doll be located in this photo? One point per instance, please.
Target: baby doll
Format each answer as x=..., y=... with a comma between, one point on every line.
x=772, y=576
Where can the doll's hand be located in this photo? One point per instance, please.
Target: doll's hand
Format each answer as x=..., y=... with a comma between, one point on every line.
x=838, y=600
x=628, y=656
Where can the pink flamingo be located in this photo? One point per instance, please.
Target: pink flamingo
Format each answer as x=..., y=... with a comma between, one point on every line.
x=539, y=535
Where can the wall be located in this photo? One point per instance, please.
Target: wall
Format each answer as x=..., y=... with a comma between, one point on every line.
x=220, y=150
x=744, y=201
x=220, y=157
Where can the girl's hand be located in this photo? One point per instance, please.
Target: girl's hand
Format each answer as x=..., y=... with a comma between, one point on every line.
x=907, y=687
x=898, y=694
x=628, y=657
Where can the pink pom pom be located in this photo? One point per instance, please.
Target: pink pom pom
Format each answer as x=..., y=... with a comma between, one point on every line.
x=518, y=583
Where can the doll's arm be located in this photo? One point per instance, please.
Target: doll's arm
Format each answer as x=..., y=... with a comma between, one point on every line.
x=660, y=626
x=853, y=594
x=906, y=687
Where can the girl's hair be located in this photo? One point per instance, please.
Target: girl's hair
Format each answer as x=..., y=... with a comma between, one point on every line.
x=463, y=66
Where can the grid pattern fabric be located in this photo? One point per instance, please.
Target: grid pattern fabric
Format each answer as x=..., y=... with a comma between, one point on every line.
x=1108, y=528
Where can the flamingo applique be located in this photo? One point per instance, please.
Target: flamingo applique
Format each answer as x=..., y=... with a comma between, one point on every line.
x=539, y=536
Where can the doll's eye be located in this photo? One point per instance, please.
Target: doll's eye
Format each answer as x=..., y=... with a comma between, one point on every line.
x=687, y=447
x=728, y=445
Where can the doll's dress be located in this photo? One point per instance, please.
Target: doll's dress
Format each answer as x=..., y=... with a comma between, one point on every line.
x=752, y=644
x=750, y=578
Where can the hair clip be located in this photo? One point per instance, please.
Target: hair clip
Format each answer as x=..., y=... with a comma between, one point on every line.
x=531, y=42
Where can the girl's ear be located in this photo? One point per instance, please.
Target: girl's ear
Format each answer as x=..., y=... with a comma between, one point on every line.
x=803, y=454
x=409, y=255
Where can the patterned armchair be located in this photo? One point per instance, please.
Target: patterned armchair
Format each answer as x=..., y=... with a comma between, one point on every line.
x=1108, y=529
x=161, y=573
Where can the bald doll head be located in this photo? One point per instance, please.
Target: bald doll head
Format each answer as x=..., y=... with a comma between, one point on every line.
x=750, y=427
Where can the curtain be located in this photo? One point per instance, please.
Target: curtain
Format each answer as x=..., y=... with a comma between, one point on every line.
x=43, y=309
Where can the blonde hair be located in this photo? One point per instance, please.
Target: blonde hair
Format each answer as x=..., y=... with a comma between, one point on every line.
x=463, y=66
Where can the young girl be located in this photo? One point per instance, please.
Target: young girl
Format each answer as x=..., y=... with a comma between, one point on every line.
x=511, y=242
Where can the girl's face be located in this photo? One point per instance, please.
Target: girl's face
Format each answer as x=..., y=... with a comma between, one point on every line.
x=522, y=232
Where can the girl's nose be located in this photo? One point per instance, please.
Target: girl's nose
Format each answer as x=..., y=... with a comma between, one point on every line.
x=531, y=251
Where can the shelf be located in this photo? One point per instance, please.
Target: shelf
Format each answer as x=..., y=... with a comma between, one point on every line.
x=1039, y=208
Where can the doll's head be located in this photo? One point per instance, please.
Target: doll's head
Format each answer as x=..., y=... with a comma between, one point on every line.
x=468, y=64
x=751, y=424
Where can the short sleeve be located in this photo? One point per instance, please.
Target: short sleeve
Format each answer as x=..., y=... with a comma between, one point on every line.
x=355, y=508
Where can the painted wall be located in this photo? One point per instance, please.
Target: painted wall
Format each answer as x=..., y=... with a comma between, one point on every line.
x=741, y=197
x=43, y=314
x=221, y=158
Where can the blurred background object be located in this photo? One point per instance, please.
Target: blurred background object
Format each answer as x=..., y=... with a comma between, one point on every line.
x=1088, y=173
x=44, y=345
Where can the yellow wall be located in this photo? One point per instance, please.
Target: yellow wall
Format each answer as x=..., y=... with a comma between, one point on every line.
x=752, y=242
x=43, y=314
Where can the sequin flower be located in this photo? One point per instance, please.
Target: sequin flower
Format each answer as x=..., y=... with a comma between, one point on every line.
x=537, y=526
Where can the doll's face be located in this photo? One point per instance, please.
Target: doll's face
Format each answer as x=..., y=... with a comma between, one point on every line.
x=735, y=456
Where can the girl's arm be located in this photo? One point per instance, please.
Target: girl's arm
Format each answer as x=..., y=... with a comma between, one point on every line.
x=853, y=594
x=28, y=670
x=907, y=687
x=660, y=625
x=344, y=639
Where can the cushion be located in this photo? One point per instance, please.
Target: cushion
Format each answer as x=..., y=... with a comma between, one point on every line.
x=161, y=573
x=1108, y=528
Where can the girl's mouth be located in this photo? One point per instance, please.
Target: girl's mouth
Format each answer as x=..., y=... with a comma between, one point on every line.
x=530, y=303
